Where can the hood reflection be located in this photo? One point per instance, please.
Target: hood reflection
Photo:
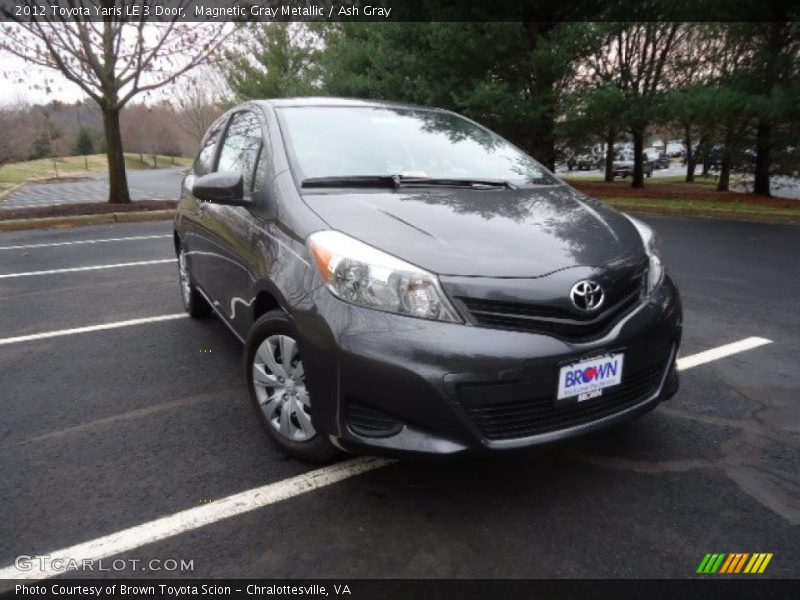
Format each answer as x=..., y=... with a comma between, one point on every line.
x=526, y=232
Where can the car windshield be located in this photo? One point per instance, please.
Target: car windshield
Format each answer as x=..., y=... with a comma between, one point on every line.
x=349, y=142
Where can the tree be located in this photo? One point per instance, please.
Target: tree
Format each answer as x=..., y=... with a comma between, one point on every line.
x=753, y=72
x=693, y=109
x=84, y=144
x=162, y=131
x=509, y=76
x=50, y=141
x=638, y=59
x=150, y=130
x=134, y=129
x=734, y=113
x=112, y=60
x=734, y=106
x=775, y=69
x=199, y=105
x=280, y=60
x=599, y=112
x=18, y=133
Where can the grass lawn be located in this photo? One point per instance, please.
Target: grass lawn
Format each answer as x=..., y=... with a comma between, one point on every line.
x=702, y=206
x=13, y=174
x=671, y=195
x=708, y=181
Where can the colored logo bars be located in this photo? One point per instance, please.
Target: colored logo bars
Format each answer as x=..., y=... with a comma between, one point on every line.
x=734, y=563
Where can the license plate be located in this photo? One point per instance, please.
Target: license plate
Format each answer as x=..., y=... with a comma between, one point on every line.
x=588, y=378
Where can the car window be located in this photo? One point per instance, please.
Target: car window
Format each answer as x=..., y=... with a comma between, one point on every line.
x=327, y=141
x=261, y=169
x=204, y=163
x=241, y=148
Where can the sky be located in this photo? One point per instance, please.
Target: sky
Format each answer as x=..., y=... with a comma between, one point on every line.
x=20, y=81
x=28, y=83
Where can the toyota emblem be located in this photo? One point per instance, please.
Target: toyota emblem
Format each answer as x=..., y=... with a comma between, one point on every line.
x=587, y=295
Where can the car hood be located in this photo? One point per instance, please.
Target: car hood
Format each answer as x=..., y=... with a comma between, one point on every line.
x=484, y=233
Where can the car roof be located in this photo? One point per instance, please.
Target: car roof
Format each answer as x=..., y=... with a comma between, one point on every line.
x=336, y=101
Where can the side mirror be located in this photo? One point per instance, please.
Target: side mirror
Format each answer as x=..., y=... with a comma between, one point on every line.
x=224, y=187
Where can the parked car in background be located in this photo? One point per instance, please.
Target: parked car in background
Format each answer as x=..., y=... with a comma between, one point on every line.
x=588, y=162
x=623, y=165
x=675, y=149
x=658, y=158
x=405, y=281
x=662, y=162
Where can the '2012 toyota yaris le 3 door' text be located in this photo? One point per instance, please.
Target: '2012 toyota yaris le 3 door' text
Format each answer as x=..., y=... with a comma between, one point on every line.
x=405, y=281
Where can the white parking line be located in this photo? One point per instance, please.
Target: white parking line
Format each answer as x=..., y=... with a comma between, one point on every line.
x=104, y=326
x=687, y=362
x=138, y=263
x=76, y=242
x=200, y=516
x=243, y=502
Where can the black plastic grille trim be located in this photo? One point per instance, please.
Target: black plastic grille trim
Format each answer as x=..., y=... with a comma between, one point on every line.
x=524, y=418
x=371, y=422
x=556, y=321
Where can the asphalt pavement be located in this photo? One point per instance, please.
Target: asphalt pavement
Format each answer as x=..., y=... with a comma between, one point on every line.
x=144, y=184
x=110, y=429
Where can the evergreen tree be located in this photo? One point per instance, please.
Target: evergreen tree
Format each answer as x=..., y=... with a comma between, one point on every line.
x=84, y=143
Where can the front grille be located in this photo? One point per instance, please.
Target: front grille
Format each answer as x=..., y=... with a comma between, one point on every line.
x=522, y=418
x=557, y=321
x=371, y=422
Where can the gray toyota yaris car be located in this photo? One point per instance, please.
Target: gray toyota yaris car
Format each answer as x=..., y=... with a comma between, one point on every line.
x=407, y=282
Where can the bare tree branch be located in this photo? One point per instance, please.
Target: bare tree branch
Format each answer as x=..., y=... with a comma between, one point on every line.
x=112, y=57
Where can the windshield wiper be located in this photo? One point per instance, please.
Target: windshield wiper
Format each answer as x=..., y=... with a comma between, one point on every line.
x=397, y=181
x=350, y=181
x=459, y=183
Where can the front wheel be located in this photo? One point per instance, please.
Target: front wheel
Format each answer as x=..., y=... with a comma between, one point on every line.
x=276, y=383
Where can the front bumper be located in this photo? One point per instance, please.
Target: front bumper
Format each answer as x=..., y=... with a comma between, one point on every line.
x=388, y=384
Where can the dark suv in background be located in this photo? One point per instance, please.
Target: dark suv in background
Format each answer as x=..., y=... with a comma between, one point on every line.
x=406, y=281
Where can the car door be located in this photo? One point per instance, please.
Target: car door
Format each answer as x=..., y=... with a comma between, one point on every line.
x=194, y=234
x=227, y=272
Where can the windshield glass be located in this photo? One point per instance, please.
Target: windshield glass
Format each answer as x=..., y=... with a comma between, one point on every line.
x=351, y=141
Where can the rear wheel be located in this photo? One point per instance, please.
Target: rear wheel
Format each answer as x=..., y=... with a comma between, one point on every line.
x=193, y=301
x=276, y=382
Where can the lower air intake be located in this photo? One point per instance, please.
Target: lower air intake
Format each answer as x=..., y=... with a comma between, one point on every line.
x=371, y=422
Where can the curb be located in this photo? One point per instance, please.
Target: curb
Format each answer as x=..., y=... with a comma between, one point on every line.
x=162, y=215
x=701, y=213
x=78, y=220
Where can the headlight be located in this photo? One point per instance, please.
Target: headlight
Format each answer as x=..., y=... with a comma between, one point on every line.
x=363, y=275
x=652, y=246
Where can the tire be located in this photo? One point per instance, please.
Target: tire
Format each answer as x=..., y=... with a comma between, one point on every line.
x=277, y=390
x=193, y=301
